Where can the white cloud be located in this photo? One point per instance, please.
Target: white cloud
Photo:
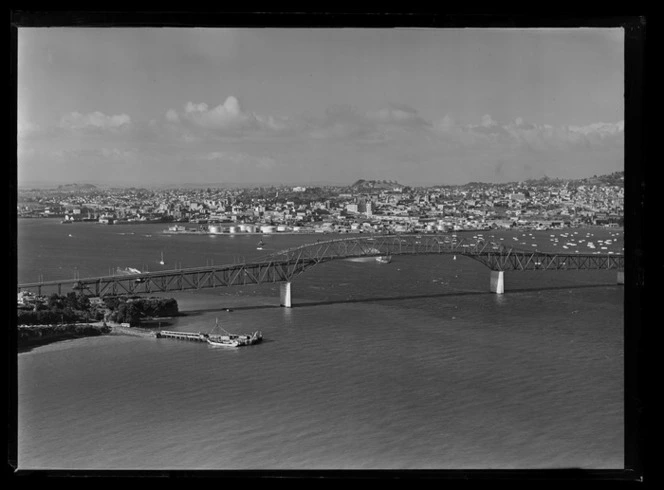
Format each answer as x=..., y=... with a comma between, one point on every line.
x=94, y=120
x=600, y=129
x=241, y=159
x=445, y=124
x=118, y=155
x=487, y=121
x=172, y=116
x=522, y=134
x=26, y=128
x=397, y=114
x=225, y=119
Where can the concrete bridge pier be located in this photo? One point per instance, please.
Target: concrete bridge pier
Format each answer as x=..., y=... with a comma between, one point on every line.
x=285, y=294
x=621, y=277
x=498, y=282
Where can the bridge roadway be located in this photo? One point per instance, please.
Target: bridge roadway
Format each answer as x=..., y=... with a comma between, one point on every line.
x=284, y=265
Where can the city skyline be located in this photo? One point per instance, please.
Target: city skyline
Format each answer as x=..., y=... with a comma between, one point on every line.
x=441, y=106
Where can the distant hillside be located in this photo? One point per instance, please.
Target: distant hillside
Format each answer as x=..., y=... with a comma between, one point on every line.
x=613, y=179
x=77, y=187
x=375, y=185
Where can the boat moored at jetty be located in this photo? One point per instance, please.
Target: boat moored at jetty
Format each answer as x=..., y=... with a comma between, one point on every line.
x=227, y=339
x=234, y=340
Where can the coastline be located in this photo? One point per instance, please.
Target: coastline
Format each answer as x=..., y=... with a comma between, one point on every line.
x=30, y=336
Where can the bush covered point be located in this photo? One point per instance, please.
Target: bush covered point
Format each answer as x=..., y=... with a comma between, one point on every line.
x=77, y=308
x=132, y=310
x=46, y=332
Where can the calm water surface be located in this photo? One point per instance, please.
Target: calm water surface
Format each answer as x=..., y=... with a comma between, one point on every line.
x=411, y=365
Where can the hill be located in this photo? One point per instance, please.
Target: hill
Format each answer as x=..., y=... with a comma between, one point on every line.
x=362, y=184
x=77, y=187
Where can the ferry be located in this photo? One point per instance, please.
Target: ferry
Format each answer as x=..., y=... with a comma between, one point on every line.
x=232, y=340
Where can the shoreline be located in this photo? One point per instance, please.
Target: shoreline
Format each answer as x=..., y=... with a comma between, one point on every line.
x=30, y=336
x=449, y=232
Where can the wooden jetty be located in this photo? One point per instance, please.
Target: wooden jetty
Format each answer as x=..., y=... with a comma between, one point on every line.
x=197, y=337
x=230, y=340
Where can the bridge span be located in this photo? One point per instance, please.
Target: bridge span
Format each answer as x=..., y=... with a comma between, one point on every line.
x=284, y=265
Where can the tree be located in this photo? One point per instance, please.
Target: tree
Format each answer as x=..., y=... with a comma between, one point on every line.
x=83, y=302
x=71, y=301
x=111, y=302
x=55, y=302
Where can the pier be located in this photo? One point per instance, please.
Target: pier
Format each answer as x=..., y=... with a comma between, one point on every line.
x=197, y=337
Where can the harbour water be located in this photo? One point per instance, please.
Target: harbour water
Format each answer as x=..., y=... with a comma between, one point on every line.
x=407, y=365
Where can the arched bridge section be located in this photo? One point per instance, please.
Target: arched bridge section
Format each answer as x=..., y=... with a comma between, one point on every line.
x=495, y=256
x=284, y=265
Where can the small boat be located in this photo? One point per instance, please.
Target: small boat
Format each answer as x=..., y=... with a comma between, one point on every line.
x=260, y=245
x=128, y=271
x=161, y=261
x=384, y=259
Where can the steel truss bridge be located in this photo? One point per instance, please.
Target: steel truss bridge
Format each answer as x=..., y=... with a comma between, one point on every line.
x=284, y=265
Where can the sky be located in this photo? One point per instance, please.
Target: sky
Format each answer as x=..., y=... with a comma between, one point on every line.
x=162, y=106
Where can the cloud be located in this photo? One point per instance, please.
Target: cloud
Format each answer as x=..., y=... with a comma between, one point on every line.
x=520, y=134
x=241, y=159
x=225, y=119
x=171, y=116
x=94, y=120
x=383, y=125
x=397, y=114
x=27, y=128
x=118, y=155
